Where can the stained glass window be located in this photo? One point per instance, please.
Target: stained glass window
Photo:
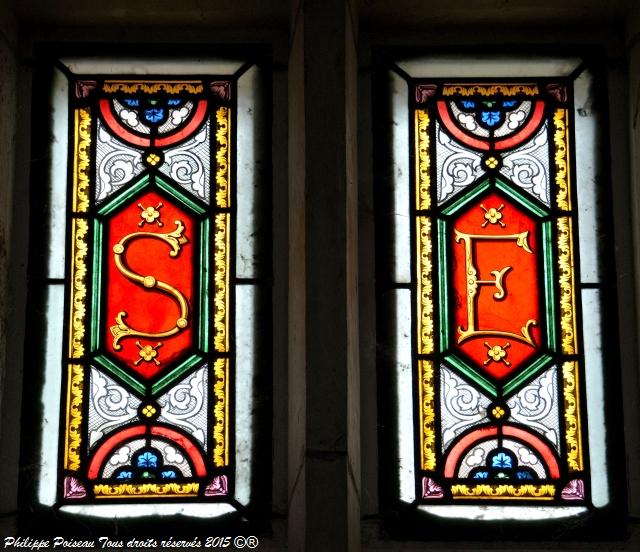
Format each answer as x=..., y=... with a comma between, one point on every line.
x=158, y=274
x=494, y=289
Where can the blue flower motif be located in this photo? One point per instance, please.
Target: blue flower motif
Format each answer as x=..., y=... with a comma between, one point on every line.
x=468, y=104
x=509, y=103
x=154, y=114
x=501, y=460
x=148, y=460
x=524, y=475
x=168, y=474
x=481, y=475
x=125, y=475
x=490, y=118
x=132, y=102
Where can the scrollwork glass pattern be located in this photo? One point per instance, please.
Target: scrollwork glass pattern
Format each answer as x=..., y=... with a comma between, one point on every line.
x=185, y=405
x=110, y=406
x=189, y=164
x=536, y=405
x=457, y=167
x=528, y=166
x=117, y=163
x=462, y=406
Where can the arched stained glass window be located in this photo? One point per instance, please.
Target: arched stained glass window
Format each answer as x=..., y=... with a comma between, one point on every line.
x=153, y=287
x=495, y=288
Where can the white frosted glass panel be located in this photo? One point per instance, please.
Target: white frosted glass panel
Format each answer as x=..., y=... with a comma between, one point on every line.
x=58, y=175
x=120, y=511
x=487, y=513
x=404, y=393
x=400, y=179
x=244, y=387
x=592, y=332
x=485, y=66
x=587, y=121
x=51, y=395
x=249, y=171
x=152, y=66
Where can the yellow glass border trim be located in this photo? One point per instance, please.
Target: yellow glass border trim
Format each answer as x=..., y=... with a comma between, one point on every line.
x=425, y=286
x=221, y=413
x=78, y=299
x=504, y=492
x=146, y=490
x=152, y=86
x=73, y=437
x=566, y=278
x=223, y=157
x=82, y=143
x=467, y=89
x=427, y=415
x=573, y=432
x=423, y=160
x=561, y=143
x=221, y=283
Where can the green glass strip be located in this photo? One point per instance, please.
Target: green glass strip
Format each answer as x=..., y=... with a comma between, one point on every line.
x=96, y=293
x=523, y=200
x=443, y=291
x=547, y=247
x=111, y=206
x=466, y=198
x=537, y=366
x=119, y=373
x=167, y=380
x=204, y=286
x=179, y=196
x=472, y=375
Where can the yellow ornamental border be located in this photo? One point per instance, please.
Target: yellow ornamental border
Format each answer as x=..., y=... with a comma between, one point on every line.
x=423, y=161
x=79, y=231
x=573, y=432
x=427, y=415
x=567, y=286
x=490, y=89
x=146, y=490
x=425, y=286
x=223, y=157
x=504, y=492
x=73, y=438
x=82, y=142
x=561, y=142
x=152, y=87
x=221, y=413
x=221, y=283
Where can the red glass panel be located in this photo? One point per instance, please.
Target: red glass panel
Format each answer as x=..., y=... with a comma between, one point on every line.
x=151, y=280
x=496, y=285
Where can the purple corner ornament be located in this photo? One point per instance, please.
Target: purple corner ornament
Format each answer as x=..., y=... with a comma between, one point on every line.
x=424, y=92
x=85, y=87
x=430, y=489
x=217, y=487
x=221, y=89
x=574, y=490
x=73, y=488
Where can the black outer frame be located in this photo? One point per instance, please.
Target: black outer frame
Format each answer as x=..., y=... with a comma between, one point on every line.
x=403, y=521
x=38, y=520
